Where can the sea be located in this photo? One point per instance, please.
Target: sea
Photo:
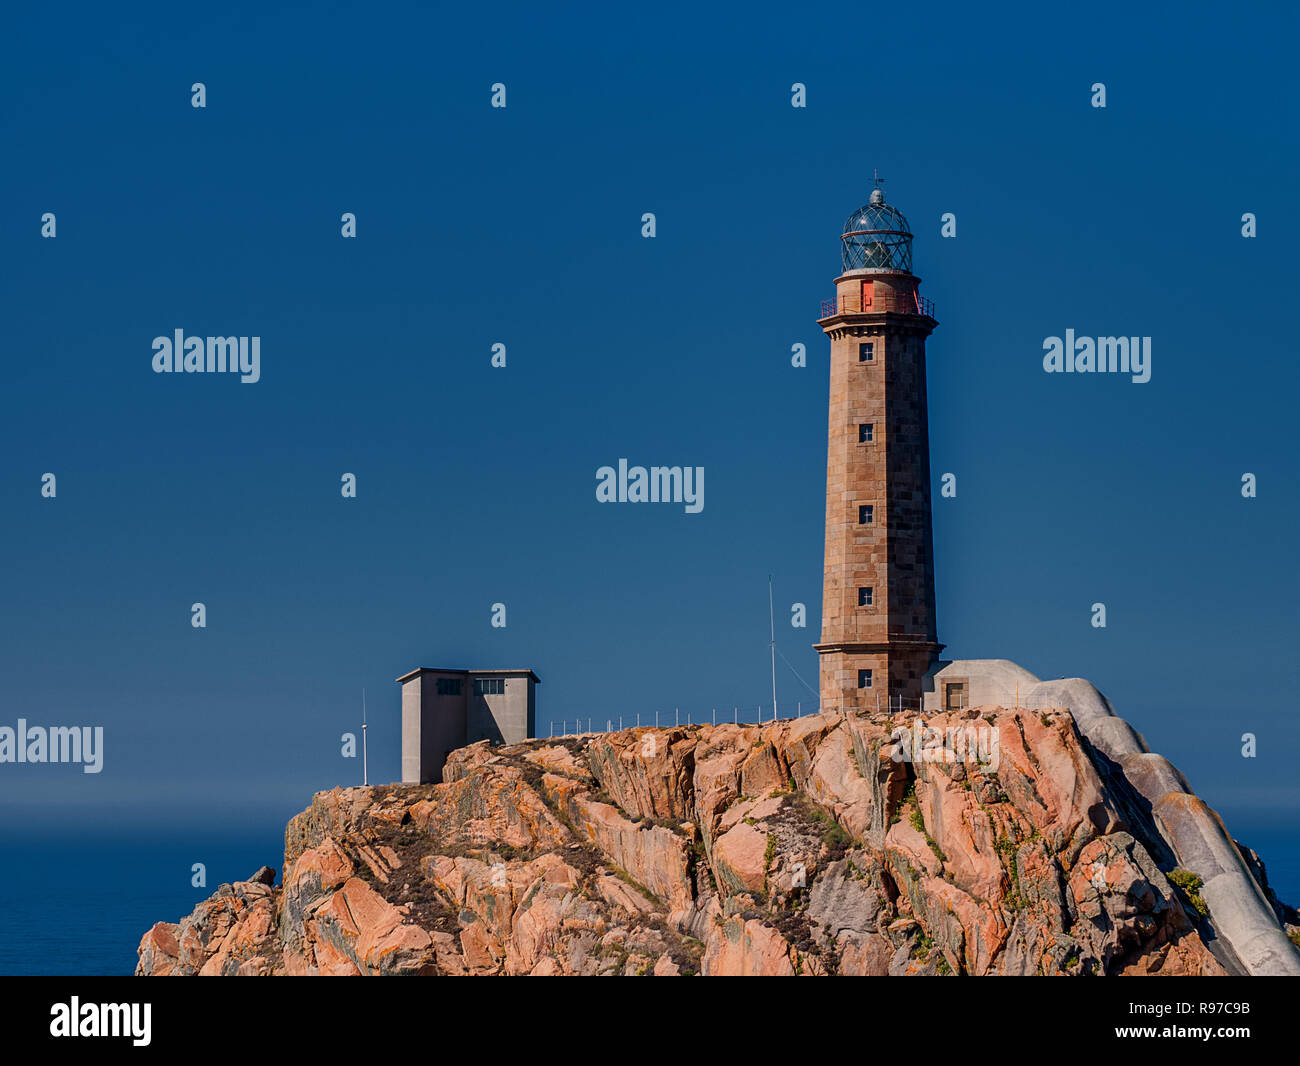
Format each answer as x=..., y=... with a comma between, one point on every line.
x=79, y=907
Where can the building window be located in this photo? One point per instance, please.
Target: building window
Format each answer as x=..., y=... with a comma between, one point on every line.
x=448, y=686
x=490, y=686
x=864, y=679
x=866, y=432
x=955, y=696
x=864, y=596
x=866, y=351
x=866, y=514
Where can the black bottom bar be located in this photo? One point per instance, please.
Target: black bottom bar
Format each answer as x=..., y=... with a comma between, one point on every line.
x=329, y=1016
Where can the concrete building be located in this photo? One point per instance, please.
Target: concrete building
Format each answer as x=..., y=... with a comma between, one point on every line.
x=879, y=636
x=446, y=709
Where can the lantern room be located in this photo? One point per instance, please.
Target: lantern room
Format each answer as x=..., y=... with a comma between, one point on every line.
x=877, y=237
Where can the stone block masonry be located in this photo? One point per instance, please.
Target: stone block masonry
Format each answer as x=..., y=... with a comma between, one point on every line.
x=879, y=634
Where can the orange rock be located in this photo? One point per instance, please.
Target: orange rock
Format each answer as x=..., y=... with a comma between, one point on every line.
x=755, y=809
x=747, y=948
x=740, y=859
x=964, y=833
x=517, y=864
x=158, y=951
x=647, y=772
x=910, y=845
x=328, y=866
x=619, y=894
x=797, y=742
x=653, y=856
x=760, y=773
x=558, y=759
x=717, y=785
x=836, y=782
x=868, y=956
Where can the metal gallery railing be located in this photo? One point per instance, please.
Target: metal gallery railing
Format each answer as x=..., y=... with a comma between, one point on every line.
x=909, y=303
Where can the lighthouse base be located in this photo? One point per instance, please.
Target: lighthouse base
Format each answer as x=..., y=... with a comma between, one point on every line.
x=859, y=677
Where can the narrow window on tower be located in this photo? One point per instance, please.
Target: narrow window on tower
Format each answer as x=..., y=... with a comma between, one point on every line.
x=866, y=514
x=864, y=679
x=866, y=432
x=864, y=596
x=866, y=351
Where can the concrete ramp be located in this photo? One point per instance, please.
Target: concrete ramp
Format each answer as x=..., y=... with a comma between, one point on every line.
x=1082, y=697
x=1153, y=775
x=1251, y=940
x=1238, y=907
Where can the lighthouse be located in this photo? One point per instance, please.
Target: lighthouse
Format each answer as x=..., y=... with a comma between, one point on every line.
x=879, y=637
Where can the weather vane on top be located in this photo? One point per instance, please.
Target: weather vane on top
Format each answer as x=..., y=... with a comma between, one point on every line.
x=878, y=193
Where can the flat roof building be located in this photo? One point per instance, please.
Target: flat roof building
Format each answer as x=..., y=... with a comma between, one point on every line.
x=443, y=710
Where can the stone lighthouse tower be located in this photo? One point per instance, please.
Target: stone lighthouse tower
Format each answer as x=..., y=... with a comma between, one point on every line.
x=879, y=636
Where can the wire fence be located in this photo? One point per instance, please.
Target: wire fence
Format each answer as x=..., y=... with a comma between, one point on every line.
x=755, y=715
x=759, y=714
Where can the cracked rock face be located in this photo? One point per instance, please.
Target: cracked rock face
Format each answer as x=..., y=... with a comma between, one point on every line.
x=799, y=847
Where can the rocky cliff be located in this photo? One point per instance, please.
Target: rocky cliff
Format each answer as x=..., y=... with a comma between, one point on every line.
x=803, y=846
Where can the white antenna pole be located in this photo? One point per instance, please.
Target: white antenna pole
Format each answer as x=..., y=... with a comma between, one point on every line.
x=365, y=765
x=771, y=619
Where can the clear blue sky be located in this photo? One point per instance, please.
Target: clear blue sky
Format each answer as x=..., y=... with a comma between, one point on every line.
x=522, y=226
